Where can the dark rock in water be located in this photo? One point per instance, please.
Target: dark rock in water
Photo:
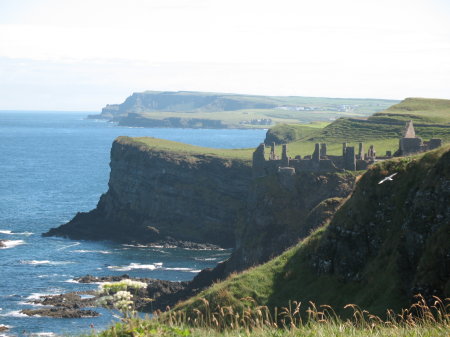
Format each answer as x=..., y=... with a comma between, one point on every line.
x=71, y=300
x=2, y=244
x=65, y=305
x=95, y=279
x=3, y=328
x=157, y=290
x=60, y=313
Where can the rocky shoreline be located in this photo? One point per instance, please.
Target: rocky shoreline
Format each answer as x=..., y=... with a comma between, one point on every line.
x=159, y=295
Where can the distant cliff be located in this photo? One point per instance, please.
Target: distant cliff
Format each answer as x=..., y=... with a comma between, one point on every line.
x=183, y=101
x=158, y=194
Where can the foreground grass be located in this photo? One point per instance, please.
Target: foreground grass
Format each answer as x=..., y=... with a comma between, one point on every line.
x=421, y=319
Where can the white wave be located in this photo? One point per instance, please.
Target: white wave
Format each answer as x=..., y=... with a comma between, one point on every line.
x=15, y=313
x=191, y=270
x=133, y=266
x=206, y=258
x=8, y=232
x=42, y=334
x=11, y=243
x=32, y=304
x=71, y=280
x=51, y=275
x=37, y=296
x=135, y=246
x=91, y=251
x=74, y=244
x=42, y=262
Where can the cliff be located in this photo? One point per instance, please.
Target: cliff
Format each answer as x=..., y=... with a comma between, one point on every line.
x=161, y=191
x=283, y=209
x=185, y=101
x=386, y=243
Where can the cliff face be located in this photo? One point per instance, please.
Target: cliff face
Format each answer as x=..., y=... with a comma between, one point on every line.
x=281, y=210
x=183, y=101
x=155, y=194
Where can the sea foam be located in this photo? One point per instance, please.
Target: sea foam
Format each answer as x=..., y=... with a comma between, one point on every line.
x=44, y=262
x=133, y=266
x=11, y=243
x=9, y=232
x=91, y=251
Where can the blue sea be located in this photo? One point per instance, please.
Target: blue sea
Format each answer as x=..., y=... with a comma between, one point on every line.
x=53, y=165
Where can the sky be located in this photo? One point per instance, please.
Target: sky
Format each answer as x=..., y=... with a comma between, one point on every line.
x=84, y=54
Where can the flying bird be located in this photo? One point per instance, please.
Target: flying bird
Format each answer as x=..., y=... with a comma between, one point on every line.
x=387, y=178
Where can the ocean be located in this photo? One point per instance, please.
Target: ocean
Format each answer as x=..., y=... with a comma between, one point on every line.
x=53, y=165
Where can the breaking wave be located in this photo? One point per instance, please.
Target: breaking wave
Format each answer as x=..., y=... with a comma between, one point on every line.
x=44, y=262
x=133, y=266
x=9, y=232
x=91, y=251
x=11, y=243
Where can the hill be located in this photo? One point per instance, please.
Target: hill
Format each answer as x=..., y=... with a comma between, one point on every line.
x=218, y=110
x=431, y=119
x=386, y=243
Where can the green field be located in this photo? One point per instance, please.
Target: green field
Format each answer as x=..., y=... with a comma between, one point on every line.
x=431, y=119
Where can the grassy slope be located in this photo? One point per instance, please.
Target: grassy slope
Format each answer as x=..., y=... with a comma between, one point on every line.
x=431, y=118
x=186, y=150
x=291, y=277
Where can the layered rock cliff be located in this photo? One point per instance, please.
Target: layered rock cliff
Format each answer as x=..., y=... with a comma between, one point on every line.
x=159, y=194
x=283, y=209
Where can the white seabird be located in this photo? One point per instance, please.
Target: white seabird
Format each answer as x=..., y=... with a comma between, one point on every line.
x=387, y=178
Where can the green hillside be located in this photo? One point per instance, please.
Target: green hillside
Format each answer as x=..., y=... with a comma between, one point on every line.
x=369, y=254
x=431, y=119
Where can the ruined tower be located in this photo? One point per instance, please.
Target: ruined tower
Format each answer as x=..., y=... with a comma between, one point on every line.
x=259, y=161
x=316, y=153
x=350, y=158
x=361, y=154
x=410, y=143
x=323, y=150
x=284, y=157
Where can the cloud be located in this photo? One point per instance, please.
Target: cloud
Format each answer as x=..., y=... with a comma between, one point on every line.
x=87, y=53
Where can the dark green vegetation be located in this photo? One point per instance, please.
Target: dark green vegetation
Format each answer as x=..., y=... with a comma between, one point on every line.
x=386, y=243
x=217, y=110
x=431, y=119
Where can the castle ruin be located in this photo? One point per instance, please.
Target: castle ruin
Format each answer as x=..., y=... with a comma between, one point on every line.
x=350, y=159
x=411, y=144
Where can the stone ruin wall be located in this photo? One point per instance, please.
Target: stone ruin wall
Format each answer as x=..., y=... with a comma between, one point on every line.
x=350, y=160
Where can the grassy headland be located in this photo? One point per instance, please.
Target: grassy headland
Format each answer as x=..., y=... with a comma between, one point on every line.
x=219, y=110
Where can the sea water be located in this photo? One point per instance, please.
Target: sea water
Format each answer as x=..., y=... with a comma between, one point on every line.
x=53, y=165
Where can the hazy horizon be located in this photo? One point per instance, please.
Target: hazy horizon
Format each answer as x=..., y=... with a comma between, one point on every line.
x=82, y=55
